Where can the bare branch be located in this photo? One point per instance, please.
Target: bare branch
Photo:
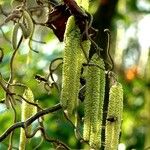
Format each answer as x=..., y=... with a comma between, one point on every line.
x=30, y=120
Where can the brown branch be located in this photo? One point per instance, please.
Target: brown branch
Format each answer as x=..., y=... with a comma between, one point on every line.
x=51, y=140
x=27, y=101
x=30, y=120
x=51, y=71
x=4, y=35
x=9, y=130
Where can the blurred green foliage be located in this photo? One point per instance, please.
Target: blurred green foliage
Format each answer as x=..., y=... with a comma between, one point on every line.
x=136, y=119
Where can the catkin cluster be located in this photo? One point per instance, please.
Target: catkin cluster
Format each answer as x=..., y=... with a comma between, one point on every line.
x=93, y=103
x=94, y=93
x=72, y=64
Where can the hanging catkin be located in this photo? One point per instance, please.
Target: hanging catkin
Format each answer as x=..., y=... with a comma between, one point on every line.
x=72, y=63
x=14, y=36
x=27, y=111
x=93, y=103
x=114, y=116
x=28, y=23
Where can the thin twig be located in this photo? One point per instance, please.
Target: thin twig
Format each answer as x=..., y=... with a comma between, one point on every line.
x=41, y=42
x=15, y=118
x=5, y=88
x=5, y=37
x=11, y=77
x=52, y=70
x=108, y=49
x=30, y=120
x=40, y=143
x=94, y=65
x=77, y=132
x=51, y=140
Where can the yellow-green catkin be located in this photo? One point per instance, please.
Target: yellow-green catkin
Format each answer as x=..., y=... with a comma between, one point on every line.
x=93, y=103
x=115, y=110
x=24, y=30
x=27, y=111
x=72, y=63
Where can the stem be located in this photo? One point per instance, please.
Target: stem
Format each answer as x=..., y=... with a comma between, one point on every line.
x=30, y=120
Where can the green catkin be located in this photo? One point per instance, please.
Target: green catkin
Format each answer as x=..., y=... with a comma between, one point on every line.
x=95, y=137
x=115, y=109
x=72, y=63
x=27, y=111
x=14, y=36
x=93, y=103
x=25, y=32
x=29, y=23
x=71, y=37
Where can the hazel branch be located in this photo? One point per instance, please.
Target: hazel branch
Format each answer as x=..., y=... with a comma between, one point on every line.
x=30, y=120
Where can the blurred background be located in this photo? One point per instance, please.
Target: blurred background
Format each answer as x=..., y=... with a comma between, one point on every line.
x=129, y=24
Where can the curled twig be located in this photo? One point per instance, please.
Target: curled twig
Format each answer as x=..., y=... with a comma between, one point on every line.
x=30, y=120
x=11, y=77
x=111, y=64
x=41, y=42
x=77, y=132
x=15, y=118
x=34, y=104
x=95, y=65
x=51, y=71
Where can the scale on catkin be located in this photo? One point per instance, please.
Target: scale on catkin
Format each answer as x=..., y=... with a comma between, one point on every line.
x=114, y=117
x=72, y=63
x=27, y=111
x=93, y=103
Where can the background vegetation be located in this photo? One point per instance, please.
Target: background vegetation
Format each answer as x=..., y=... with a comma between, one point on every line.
x=128, y=21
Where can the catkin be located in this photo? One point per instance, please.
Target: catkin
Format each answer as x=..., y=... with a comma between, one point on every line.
x=25, y=31
x=14, y=36
x=27, y=28
x=115, y=110
x=72, y=63
x=27, y=111
x=93, y=103
x=28, y=22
